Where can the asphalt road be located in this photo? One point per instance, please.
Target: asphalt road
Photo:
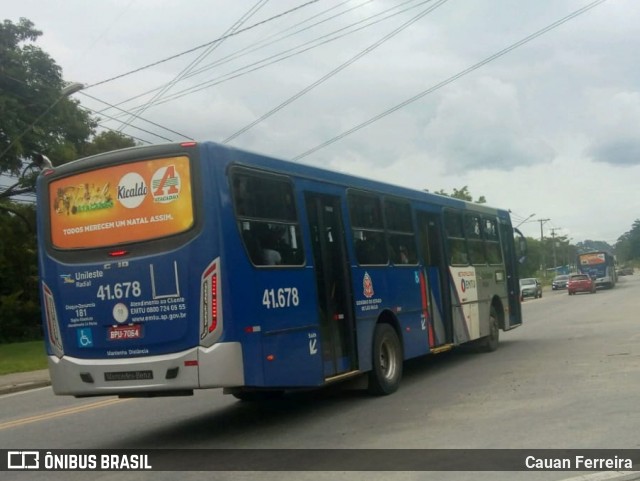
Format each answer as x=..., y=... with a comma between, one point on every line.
x=569, y=378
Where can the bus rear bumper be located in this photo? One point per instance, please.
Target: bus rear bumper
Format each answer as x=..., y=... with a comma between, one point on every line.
x=217, y=366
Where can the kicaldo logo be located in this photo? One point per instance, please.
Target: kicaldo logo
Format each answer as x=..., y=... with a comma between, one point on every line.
x=165, y=184
x=132, y=189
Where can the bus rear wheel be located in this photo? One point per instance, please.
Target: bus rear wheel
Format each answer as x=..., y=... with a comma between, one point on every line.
x=490, y=343
x=386, y=373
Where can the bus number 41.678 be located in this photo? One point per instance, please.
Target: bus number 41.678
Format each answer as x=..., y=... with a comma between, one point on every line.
x=119, y=290
x=283, y=297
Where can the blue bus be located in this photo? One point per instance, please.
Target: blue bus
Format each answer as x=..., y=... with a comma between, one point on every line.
x=599, y=265
x=170, y=268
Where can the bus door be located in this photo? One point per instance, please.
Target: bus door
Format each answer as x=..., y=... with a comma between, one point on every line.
x=507, y=234
x=337, y=330
x=435, y=272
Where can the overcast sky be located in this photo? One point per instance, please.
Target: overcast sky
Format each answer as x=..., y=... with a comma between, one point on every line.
x=551, y=128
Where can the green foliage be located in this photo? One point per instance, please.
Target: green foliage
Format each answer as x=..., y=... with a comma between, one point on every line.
x=106, y=142
x=463, y=194
x=19, y=303
x=22, y=357
x=34, y=115
x=34, y=118
x=627, y=248
x=545, y=255
x=591, y=245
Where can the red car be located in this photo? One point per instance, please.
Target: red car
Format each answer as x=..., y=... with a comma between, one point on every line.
x=581, y=283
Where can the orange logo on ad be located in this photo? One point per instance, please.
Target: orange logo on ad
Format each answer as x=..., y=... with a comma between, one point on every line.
x=165, y=184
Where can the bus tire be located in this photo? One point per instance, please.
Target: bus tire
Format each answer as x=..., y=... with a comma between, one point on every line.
x=490, y=343
x=386, y=371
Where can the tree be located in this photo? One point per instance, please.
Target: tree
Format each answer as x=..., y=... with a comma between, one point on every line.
x=106, y=142
x=34, y=116
x=19, y=305
x=592, y=245
x=627, y=247
x=463, y=194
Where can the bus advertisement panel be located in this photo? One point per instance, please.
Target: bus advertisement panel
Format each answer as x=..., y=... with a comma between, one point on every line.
x=123, y=203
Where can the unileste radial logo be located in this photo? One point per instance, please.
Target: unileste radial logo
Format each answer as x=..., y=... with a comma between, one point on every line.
x=165, y=184
x=132, y=189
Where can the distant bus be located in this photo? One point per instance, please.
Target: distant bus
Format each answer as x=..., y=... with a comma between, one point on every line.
x=171, y=268
x=600, y=265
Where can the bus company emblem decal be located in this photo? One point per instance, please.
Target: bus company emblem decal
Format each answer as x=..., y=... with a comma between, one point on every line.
x=165, y=184
x=367, y=285
x=67, y=279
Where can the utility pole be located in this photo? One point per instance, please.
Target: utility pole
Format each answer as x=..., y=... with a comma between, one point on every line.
x=543, y=266
x=553, y=237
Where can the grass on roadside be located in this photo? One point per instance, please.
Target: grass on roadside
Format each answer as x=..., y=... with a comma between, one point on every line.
x=22, y=357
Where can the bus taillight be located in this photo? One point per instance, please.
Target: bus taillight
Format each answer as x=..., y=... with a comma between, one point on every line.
x=51, y=316
x=214, y=302
x=210, y=304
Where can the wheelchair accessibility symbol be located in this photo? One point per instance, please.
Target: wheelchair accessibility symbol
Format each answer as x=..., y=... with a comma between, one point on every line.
x=85, y=338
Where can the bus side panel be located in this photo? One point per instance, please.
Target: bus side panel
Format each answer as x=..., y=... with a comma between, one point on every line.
x=491, y=283
x=284, y=302
x=405, y=290
x=465, y=310
x=397, y=290
x=272, y=310
x=436, y=305
x=370, y=295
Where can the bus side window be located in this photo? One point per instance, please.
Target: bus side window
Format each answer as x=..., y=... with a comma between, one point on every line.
x=267, y=218
x=370, y=247
x=456, y=238
x=251, y=242
x=494, y=253
x=400, y=231
x=368, y=229
x=475, y=242
x=458, y=252
x=359, y=246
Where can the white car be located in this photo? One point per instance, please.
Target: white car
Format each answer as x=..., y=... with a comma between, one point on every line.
x=530, y=287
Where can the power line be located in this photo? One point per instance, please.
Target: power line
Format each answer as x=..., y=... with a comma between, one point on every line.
x=131, y=72
x=451, y=79
x=246, y=16
x=259, y=45
x=124, y=111
x=114, y=130
x=283, y=55
x=338, y=69
x=264, y=43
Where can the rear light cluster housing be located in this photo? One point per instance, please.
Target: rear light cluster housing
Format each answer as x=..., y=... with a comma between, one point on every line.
x=210, y=304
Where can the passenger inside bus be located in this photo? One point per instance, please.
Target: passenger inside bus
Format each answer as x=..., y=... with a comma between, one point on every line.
x=269, y=240
x=404, y=255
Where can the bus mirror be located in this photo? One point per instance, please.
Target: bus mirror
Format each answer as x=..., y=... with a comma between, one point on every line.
x=42, y=161
x=522, y=246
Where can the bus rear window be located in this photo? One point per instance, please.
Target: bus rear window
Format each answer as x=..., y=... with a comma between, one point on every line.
x=123, y=203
